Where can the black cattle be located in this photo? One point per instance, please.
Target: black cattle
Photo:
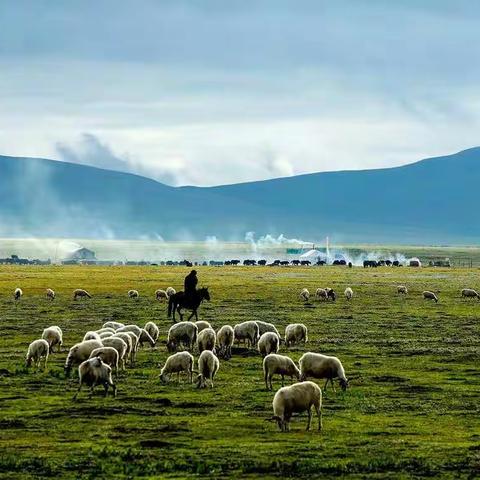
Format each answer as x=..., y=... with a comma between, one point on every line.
x=262, y=262
x=305, y=262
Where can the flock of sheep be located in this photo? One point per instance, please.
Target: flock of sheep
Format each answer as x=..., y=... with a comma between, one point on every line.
x=115, y=345
x=328, y=293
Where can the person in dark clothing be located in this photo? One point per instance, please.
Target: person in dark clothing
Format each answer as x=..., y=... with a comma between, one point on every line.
x=190, y=284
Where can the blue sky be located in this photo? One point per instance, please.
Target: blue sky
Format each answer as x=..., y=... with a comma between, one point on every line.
x=210, y=92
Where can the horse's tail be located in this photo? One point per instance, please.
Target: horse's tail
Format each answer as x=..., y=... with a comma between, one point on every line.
x=170, y=305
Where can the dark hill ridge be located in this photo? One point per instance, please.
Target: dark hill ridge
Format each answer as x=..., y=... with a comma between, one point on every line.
x=431, y=201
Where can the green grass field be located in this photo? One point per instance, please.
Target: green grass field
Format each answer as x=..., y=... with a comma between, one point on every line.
x=412, y=411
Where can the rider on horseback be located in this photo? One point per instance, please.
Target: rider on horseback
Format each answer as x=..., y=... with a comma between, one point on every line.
x=190, y=285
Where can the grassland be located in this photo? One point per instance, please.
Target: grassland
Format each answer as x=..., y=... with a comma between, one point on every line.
x=412, y=411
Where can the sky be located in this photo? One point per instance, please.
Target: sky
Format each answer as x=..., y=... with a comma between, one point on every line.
x=215, y=92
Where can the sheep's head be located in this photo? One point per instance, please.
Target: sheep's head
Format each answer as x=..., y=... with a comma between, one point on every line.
x=163, y=377
x=28, y=362
x=200, y=381
x=171, y=346
x=343, y=383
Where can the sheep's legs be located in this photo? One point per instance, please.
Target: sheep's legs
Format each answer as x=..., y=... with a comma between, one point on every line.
x=283, y=380
x=325, y=386
x=309, y=421
x=318, y=409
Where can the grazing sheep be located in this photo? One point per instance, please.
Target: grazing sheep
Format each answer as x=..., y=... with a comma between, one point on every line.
x=109, y=355
x=130, y=328
x=280, y=364
x=295, y=333
x=135, y=345
x=105, y=330
x=246, y=332
x=79, y=353
x=36, y=350
x=17, y=293
x=305, y=294
x=208, y=366
x=297, y=398
x=206, y=340
x=145, y=337
x=268, y=343
x=348, y=293
x=53, y=335
x=93, y=372
x=114, y=325
x=176, y=363
x=161, y=295
x=331, y=294
x=152, y=330
x=182, y=333
x=430, y=296
x=128, y=340
x=133, y=293
x=120, y=346
x=321, y=294
x=225, y=337
x=317, y=365
x=402, y=289
x=264, y=327
x=91, y=336
x=170, y=291
x=202, y=325
x=105, y=335
x=79, y=292
x=50, y=294
x=470, y=293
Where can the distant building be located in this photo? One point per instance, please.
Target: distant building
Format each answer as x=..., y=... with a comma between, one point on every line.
x=81, y=254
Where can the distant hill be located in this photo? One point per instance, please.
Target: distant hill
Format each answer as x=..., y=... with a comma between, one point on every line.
x=431, y=201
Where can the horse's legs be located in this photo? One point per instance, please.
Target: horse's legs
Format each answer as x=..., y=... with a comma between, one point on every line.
x=196, y=315
x=190, y=317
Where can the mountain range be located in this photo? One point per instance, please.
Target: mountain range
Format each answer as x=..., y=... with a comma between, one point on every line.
x=430, y=201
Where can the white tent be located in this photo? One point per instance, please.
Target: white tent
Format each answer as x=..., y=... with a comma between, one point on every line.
x=313, y=255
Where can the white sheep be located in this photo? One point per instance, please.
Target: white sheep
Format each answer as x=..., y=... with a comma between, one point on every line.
x=17, y=293
x=348, y=293
x=93, y=372
x=305, y=294
x=130, y=328
x=321, y=294
x=182, y=333
x=430, y=296
x=120, y=346
x=105, y=330
x=105, y=335
x=176, y=363
x=246, y=332
x=208, y=366
x=317, y=365
x=225, y=338
x=297, y=398
x=54, y=336
x=79, y=353
x=152, y=330
x=295, y=333
x=50, y=294
x=128, y=340
x=281, y=365
x=268, y=343
x=112, y=324
x=36, y=350
x=145, y=337
x=202, y=325
x=91, y=336
x=133, y=293
x=161, y=295
x=135, y=345
x=264, y=327
x=402, y=289
x=170, y=291
x=206, y=340
x=80, y=292
x=470, y=293
x=109, y=355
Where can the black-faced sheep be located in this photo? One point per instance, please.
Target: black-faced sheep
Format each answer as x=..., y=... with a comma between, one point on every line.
x=317, y=365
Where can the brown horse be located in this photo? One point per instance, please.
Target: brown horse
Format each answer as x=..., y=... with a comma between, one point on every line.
x=179, y=300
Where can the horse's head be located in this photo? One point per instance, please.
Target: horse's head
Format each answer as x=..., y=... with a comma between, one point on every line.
x=204, y=293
